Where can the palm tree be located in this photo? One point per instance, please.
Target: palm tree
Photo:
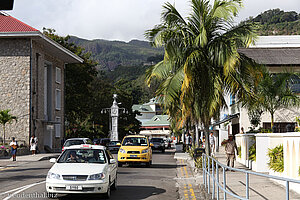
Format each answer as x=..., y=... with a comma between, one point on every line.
x=201, y=62
x=273, y=93
x=5, y=117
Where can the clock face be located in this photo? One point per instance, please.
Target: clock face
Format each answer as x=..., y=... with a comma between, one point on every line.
x=114, y=111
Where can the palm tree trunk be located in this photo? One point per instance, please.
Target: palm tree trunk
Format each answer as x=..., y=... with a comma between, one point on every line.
x=197, y=134
x=4, y=135
x=207, y=146
x=272, y=120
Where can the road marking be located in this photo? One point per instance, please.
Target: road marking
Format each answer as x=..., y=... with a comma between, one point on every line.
x=6, y=168
x=20, y=189
x=186, y=173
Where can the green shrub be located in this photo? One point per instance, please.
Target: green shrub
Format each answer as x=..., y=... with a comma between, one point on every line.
x=239, y=148
x=198, y=162
x=252, y=152
x=276, y=158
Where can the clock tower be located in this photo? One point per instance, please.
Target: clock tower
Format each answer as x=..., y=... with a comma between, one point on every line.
x=114, y=113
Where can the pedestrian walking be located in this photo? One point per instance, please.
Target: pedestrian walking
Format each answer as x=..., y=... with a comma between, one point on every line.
x=212, y=143
x=230, y=147
x=33, y=144
x=188, y=141
x=14, y=146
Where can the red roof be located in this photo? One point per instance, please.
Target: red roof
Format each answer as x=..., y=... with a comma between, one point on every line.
x=10, y=24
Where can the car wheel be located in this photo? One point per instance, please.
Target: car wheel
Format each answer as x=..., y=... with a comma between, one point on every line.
x=148, y=164
x=163, y=150
x=120, y=164
x=107, y=194
x=114, y=185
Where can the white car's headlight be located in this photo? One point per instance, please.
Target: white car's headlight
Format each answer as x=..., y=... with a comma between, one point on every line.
x=145, y=151
x=122, y=150
x=53, y=176
x=99, y=176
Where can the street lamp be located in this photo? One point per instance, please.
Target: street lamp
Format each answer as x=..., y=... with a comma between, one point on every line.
x=113, y=112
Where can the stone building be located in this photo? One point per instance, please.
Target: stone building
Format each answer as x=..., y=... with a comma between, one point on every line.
x=32, y=83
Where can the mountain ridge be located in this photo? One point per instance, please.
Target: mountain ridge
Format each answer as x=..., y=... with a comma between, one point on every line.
x=110, y=54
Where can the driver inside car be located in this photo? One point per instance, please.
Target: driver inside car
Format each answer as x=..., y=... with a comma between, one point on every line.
x=72, y=157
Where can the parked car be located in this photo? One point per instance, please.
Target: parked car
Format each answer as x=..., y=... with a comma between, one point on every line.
x=76, y=141
x=114, y=146
x=101, y=141
x=135, y=149
x=82, y=169
x=158, y=144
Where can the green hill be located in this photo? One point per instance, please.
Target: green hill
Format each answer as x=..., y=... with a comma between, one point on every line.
x=110, y=54
x=277, y=22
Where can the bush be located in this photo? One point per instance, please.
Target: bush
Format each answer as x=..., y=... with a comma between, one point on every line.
x=276, y=158
x=239, y=148
x=252, y=152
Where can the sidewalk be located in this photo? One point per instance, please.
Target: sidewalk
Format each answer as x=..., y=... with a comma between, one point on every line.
x=260, y=187
x=190, y=181
x=7, y=162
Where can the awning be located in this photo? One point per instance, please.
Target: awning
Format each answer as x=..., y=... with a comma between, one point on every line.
x=227, y=118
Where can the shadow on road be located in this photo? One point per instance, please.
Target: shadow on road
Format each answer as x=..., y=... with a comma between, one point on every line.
x=156, y=166
x=123, y=192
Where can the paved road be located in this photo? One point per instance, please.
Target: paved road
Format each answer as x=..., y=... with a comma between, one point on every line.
x=134, y=182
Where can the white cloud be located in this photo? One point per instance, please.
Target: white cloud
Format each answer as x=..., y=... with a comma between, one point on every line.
x=115, y=19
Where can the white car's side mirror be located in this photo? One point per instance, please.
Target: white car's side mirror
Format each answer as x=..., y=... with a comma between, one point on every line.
x=112, y=161
x=52, y=160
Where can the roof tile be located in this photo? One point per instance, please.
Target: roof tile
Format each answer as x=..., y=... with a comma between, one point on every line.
x=11, y=24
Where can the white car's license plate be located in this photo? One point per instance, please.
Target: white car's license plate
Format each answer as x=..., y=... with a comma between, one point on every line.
x=73, y=187
x=134, y=156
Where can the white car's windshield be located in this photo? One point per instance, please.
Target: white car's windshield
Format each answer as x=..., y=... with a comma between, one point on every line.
x=83, y=156
x=135, y=141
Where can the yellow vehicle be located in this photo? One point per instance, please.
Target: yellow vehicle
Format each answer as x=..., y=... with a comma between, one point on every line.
x=135, y=149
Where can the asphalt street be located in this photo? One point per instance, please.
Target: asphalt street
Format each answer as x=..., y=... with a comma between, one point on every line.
x=134, y=182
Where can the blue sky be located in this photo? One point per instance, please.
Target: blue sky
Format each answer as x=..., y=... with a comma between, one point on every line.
x=116, y=19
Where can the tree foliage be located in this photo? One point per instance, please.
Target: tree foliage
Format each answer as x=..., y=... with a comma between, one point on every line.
x=201, y=62
x=273, y=92
x=87, y=92
x=5, y=118
x=277, y=22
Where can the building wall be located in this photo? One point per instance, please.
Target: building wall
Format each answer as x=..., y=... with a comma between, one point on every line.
x=15, y=85
x=41, y=58
x=15, y=91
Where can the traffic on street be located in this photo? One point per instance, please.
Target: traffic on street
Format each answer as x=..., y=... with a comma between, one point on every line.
x=134, y=181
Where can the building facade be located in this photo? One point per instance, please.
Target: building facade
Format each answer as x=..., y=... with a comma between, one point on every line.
x=277, y=53
x=32, y=83
x=153, y=122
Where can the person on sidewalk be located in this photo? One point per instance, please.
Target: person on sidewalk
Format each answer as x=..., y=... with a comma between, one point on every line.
x=188, y=141
x=212, y=143
x=230, y=146
x=14, y=146
x=33, y=144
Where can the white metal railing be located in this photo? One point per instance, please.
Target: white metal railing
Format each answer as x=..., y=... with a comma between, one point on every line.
x=211, y=172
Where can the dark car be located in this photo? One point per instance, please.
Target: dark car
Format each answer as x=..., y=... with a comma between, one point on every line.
x=158, y=144
x=101, y=141
x=113, y=147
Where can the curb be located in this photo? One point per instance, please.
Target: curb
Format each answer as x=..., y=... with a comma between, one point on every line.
x=48, y=157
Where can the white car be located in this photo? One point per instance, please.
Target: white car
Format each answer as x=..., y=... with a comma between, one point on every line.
x=82, y=169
